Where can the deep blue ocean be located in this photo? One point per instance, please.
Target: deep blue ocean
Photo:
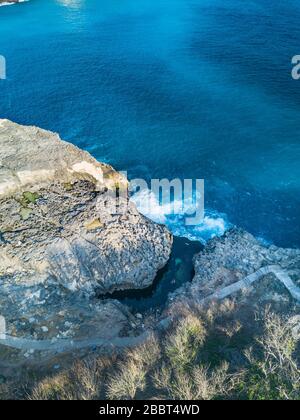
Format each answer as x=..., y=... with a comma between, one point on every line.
x=161, y=88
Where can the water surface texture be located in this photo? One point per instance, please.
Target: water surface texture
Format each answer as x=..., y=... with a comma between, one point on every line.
x=161, y=88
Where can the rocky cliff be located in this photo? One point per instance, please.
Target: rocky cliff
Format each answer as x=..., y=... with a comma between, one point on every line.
x=238, y=266
x=68, y=232
x=63, y=237
x=56, y=218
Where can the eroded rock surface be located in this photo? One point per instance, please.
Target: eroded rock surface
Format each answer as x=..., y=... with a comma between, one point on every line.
x=235, y=256
x=63, y=238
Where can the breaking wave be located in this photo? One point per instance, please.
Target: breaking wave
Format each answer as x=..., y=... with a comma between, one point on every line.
x=213, y=224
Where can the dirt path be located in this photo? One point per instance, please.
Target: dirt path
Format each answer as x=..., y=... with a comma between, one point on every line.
x=63, y=345
x=280, y=274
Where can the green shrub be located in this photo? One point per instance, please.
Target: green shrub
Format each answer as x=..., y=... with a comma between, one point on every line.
x=182, y=347
x=273, y=372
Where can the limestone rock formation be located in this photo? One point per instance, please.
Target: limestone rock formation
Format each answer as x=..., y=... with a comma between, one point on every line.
x=239, y=263
x=56, y=220
x=66, y=232
x=236, y=255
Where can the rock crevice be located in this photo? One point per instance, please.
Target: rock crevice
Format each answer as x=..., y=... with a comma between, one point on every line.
x=64, y=239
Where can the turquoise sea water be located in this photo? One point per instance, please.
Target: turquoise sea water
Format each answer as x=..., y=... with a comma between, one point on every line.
x=161, y=88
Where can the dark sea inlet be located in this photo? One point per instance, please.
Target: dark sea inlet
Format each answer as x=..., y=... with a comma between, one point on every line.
x=161, y=88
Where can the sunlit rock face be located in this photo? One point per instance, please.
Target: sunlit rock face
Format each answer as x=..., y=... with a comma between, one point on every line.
x=61, y=236
x=54, y=222
x=31, y=157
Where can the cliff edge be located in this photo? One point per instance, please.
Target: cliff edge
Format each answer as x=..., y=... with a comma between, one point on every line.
x=63, y=238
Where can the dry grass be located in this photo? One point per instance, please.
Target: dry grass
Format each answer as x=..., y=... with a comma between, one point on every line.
x=182, y=347
x=53, y=388
x=129, y=379
x=84, y=381
x=194, y=360
x=273, y=371
x=217, y=383
x=147, y=354
x=131, y=376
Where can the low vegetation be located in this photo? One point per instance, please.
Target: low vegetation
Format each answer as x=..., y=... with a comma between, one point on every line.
x=205, y=355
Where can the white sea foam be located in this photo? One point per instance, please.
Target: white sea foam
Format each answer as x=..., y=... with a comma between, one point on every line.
x=11, y=3
x=214, y=223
